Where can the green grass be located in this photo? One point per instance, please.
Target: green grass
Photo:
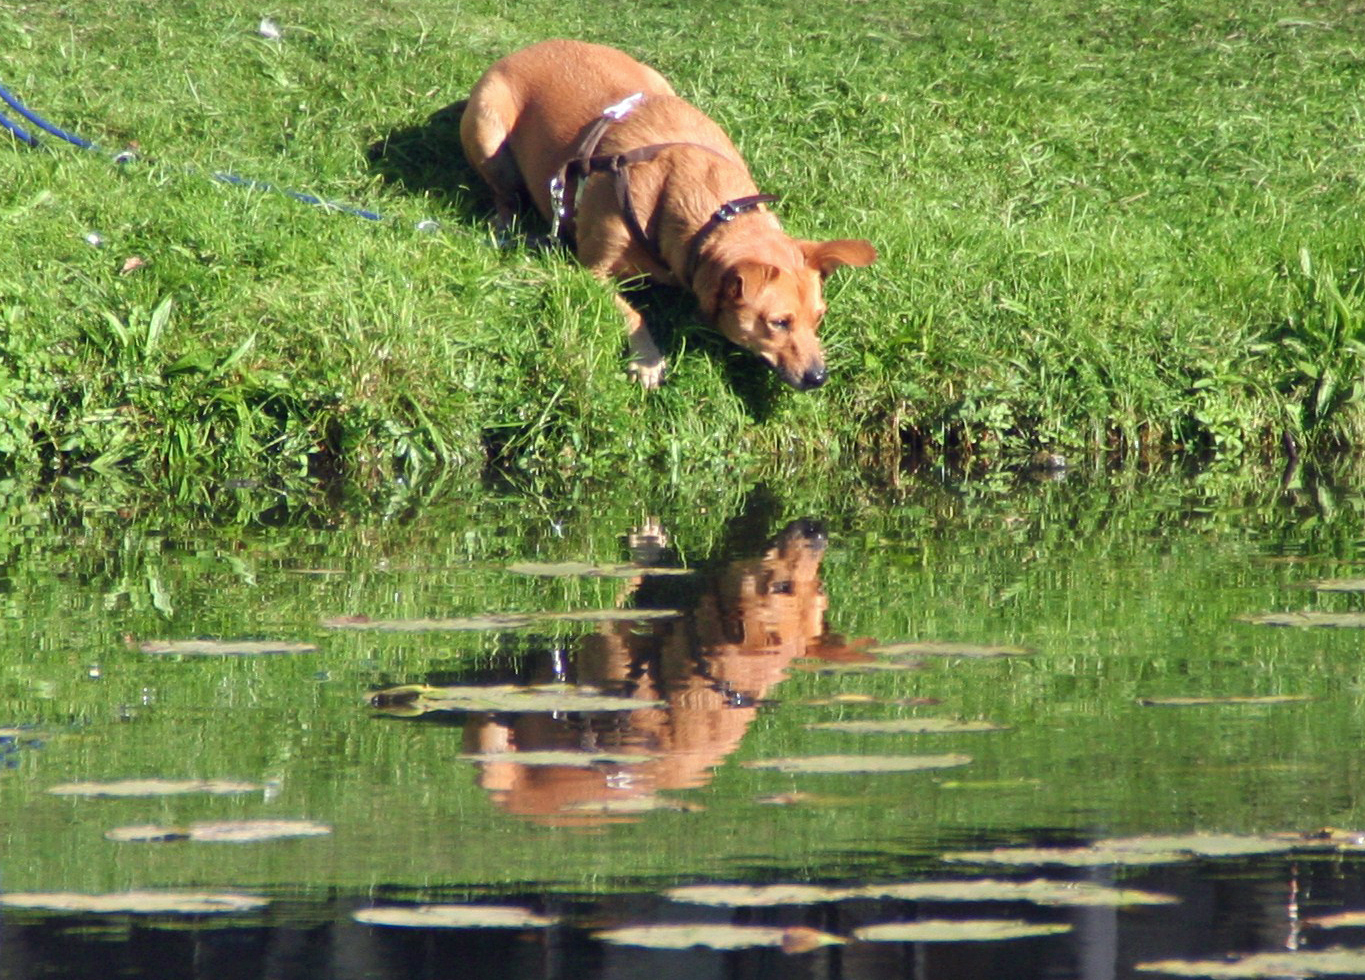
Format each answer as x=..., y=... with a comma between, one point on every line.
x=1127, y=229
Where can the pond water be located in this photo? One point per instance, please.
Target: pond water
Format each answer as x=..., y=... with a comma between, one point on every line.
x=549, y=718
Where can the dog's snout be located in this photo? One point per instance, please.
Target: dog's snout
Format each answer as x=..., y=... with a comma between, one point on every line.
x=814, y=377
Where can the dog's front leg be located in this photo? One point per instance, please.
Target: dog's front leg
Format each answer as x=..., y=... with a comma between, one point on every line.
x=647, y=364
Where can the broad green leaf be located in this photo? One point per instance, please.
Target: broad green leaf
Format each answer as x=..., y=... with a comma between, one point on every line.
x=791, y=939
x=897, y=726
x=454, y=917
x=956, y=931
x=135, y=902
x=1299, y=964
x=842, y=764
x=933, y=648
x=210, y=648
x=417, y=699
x=155, y=787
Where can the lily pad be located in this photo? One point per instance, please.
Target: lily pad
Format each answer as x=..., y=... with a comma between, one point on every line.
x=212, y=648
x=1341, y=920
x=493, y=621
x=869, y=667
x=461, y=624
x=1304, y=963
x=791, y=939
x=566, y=757
x=1202, y=845
x=1071, y=857
x=1186, y=702
x=756, y=896
x=155, y=787
x=841, y=764
x=1337, y=584
x=221, y=832
x=637, y=804
x=897, y=726
x=580, y=569
x=1346, y=620
x=454, y=917
x=136, y=902
x=1129, y=851
x=934, y=648
x=956, y=930
x=1039, y=892
x=417, y=699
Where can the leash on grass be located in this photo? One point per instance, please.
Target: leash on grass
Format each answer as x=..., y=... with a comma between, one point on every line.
x=126, y=156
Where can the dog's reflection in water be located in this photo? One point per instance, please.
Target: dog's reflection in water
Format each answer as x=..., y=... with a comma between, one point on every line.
x=706, y=671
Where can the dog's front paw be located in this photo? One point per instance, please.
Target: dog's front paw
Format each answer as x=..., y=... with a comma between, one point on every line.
x=649, y=373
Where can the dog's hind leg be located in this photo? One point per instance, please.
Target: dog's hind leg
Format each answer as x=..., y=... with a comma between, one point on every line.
x=484, y=130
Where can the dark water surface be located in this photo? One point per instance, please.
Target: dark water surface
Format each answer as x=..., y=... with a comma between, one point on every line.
x=1099, y=624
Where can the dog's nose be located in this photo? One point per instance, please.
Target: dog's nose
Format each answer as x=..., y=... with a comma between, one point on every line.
x=814, y=377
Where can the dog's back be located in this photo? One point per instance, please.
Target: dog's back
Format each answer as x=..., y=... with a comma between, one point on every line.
x=530, y=109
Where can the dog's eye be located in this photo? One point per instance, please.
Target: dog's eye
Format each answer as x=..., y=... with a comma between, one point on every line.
x=783, y=323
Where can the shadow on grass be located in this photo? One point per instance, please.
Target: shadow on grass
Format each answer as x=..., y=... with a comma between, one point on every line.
x=427, y=160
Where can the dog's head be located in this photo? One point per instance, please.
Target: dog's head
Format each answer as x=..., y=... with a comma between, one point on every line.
x=773, y=305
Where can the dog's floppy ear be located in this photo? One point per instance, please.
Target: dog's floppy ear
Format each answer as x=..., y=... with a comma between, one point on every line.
x=825, y=257
x=743, y=278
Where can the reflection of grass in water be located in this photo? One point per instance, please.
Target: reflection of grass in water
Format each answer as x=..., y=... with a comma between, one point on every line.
x=1126, y=588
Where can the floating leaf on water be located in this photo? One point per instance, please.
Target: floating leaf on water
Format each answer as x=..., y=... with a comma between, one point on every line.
x=454, y=917
x=1334, y=837
x=1186, y=702
x=933, y=648
x=756, y=896
x=561, y=757
x=849, y=698
x=582, y=569
x=211, y=648
x=612, y=615
x=956, y=931
x=854, y=697
x=1346, y=620
x=1040, y=891
x=221, y=832
x=1337, y=584
x=1072, y=857
x=841, y=764
x=1305, y=963
x=870, y=667
x=492, y=621
x=1203, y=845
x=155, y=787
x=637, y=804
x=1165, y=849
x=794, y=939
x=416, y=699
x=1341, y=920
x=139, y=902
x=147, y=833
x=898, y=726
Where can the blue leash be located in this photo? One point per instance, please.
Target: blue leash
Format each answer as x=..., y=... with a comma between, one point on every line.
x=24, y=136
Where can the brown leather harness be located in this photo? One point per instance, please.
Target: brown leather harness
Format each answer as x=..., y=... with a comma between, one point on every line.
x=584, y=161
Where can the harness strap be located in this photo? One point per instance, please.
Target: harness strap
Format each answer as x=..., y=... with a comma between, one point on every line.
x=566, y=187
x=724, y=214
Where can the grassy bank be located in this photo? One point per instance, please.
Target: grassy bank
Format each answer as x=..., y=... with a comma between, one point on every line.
x=1124, y=228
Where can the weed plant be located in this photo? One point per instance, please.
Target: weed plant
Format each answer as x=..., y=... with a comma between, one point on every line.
x=1124, y=228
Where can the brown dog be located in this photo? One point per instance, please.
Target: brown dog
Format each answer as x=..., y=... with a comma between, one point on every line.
x=644, y=184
